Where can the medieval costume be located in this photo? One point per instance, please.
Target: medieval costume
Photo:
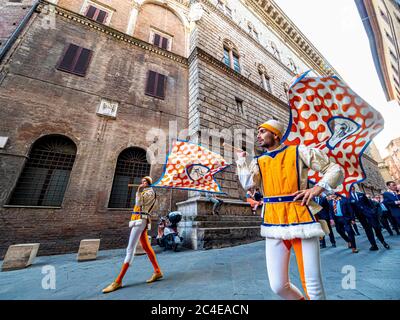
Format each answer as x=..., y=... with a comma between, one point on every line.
x=140, y=222
x=280, y=173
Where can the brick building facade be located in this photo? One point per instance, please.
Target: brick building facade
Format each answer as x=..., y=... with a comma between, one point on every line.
x=40, y=100
x=86, y=81
x=13, y=13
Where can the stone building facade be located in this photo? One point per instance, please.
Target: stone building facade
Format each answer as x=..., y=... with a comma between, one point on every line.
x=393, y=159
x=375, y=182
x=381, y=19
x=90, y=85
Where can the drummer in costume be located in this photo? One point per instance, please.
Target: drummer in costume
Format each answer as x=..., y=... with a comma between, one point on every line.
x=140, y=221
x=289, y=212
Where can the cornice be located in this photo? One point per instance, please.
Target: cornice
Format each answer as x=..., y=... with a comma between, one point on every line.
x=185, y=3
x=283, y=26
x=204, y=56
x=213, y=8
x=370, y=159
x=73, y=17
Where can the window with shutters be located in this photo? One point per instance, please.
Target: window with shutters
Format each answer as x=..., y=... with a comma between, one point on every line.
x=155, y=85
x=96, y=14
x=161, y=39
x=46, y=173
x=132, y=166
x=100, y=13
x=75, y=60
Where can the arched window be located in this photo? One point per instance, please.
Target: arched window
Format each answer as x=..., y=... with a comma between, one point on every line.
x=275, y=50
x=231, y=56
x=285, y=88
x=292, y=65
x=252, y=31
x=46, y=173
x=162, y=26
x=265, y=78
x=132, y=166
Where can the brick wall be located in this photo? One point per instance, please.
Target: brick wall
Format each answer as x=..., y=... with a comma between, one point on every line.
x=57, y=102
x=11, y=15
x=120, y=10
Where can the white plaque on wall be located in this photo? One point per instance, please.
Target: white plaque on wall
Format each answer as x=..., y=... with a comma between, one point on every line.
x=3, y=142
x=107, y=108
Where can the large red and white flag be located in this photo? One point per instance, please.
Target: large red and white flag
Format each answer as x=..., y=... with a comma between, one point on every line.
x=328, y=115
x=190, y=166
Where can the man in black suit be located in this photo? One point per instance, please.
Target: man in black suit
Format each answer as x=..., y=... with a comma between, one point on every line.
x=382, y=212
x=391, y=200
x=342, y=217
x=368, y=217
x=324, y=215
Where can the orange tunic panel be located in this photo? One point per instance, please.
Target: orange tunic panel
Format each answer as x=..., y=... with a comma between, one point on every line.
x=280, y=177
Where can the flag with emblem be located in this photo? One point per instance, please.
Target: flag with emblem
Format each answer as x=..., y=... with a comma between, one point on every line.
x=191, y=166
x=327, y=114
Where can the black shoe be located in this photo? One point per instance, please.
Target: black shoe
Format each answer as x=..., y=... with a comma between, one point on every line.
x=322, y=246
x=334, y=245
x=374, y=248
x=386, y=245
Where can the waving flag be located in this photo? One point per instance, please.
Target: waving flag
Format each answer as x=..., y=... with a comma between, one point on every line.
x=191, y=167
x=326, y=114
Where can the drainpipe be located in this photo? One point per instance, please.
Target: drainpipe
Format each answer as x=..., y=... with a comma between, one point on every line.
x=16, y=33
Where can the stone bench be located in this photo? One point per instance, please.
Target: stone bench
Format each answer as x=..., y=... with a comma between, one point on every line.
x=88, y=249
x=20, y=256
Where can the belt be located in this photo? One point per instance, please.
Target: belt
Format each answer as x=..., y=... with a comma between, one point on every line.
x=279, y=199
x=141, y=214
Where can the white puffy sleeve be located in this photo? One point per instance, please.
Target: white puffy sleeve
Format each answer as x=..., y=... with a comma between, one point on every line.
x=249, y=173
x=317, y=160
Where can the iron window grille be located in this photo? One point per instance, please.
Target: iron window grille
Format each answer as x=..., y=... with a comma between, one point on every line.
x=132, y=166
x=46, y=173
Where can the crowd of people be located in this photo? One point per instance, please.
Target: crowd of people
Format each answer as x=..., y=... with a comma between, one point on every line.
x=373, y=213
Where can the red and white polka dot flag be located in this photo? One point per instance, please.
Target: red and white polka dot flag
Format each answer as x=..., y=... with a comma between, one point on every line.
x=328, y=115
x=192, y=167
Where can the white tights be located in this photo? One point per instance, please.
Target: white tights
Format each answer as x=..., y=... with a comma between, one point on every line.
x=308, y=261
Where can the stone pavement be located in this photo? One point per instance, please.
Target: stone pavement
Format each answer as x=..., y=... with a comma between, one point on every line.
x=230, y=273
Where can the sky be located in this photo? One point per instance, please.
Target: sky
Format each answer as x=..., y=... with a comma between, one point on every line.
x=336, y=30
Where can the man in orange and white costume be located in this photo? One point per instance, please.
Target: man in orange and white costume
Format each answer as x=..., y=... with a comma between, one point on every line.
x=140, y=220
x=288, y=211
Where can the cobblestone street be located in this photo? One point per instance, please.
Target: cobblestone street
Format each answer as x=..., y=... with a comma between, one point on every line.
x=230, y=273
